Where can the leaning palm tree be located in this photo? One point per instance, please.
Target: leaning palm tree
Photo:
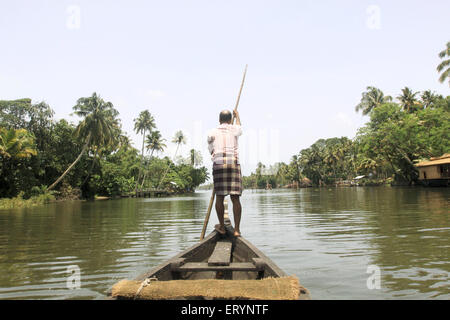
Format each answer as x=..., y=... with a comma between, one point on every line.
x=98, y=127
x=444, y=66
x=408, y=100
x=154, y=142
x=179, y=138
x=371, y=99
x=145, y=122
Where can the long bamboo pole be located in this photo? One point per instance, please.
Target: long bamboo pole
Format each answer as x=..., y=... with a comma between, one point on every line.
x=211, y=201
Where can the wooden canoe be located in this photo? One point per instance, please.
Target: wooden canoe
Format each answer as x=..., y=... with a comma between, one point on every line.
x=219, y=257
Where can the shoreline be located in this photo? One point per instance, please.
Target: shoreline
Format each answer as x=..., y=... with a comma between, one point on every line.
x=41, y=200
x=44, y=199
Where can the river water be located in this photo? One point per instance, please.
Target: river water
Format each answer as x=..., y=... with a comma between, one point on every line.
x=342, y=243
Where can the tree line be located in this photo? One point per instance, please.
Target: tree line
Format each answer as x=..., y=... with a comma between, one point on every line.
x=385, y=150
x=94, y=157
x=415, y=126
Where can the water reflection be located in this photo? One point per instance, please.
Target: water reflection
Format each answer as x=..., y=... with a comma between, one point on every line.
x=330, y=236
x=327, y=237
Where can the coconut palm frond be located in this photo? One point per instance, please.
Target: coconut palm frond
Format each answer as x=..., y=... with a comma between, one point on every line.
x=444, y=65
x=445, y=75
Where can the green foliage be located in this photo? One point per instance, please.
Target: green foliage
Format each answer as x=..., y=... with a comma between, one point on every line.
x=371, y=99
x=444, y=66
x=96, y=158
x=179, y=138
x=16, y=144
x=155, y=142
x=384, y=150
x=395, y=138
x=145, y=122
x=328, y=160
x=100, y=125
x=278, y=175
x=20, y=202
x=22, y=114
x=99, y=129
x=181, y=178
x=112, y=182
x=93, y=157
x=17, y=147
x=408, y=100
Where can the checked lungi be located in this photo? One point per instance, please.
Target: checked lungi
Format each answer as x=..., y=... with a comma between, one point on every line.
x=227, y=177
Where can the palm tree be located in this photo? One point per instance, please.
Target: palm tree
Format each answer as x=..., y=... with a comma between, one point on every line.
x=371, y=99
x=124, y=142
x=179, y=138
x=16, y=143
x=428, y=98
x=154, y=142
x=366, y=164
x=145, y=122
x=445, y=64
x=98, y=128
x=260, y=169
x=195, y=157
x=408, y=99
x=295, y=163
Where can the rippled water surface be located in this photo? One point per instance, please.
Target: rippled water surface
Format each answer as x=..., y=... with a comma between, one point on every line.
x=327, y=237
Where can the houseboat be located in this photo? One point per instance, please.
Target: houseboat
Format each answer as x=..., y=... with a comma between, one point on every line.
x=435, y=172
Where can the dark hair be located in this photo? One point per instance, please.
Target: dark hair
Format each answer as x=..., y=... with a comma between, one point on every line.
x=225, y=116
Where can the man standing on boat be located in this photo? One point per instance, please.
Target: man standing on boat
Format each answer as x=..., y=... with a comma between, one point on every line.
x=223, y=146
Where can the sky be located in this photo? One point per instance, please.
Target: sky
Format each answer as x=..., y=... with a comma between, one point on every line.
x=308, y=63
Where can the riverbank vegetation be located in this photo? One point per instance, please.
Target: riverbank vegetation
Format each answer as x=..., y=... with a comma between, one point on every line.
x=43, y=159
x=401, y=131
x=385, y=150
x=20, y=202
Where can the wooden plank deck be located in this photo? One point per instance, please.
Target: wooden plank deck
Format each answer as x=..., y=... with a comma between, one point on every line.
x=203, y=266
x=221, y=255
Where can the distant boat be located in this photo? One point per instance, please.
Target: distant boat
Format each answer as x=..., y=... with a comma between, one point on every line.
x=435, y=172
x=356, y=180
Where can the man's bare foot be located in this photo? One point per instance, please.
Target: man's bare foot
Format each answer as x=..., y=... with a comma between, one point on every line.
x=220, y=229
x=237, y=233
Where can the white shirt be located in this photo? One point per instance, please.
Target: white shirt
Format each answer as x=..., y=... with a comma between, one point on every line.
x=223, y=142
